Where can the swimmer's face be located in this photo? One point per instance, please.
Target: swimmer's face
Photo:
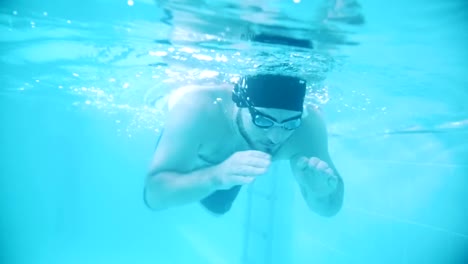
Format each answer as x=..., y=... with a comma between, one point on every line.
x=270, y=139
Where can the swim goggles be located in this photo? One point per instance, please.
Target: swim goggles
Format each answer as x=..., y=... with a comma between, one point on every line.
x=265, y=121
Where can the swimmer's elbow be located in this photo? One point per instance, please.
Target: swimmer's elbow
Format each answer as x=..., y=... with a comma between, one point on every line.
x=326, y=210
x=152, y=202
x=152, y=194
x=334, y=204
x=327, y=206
x=329, y=211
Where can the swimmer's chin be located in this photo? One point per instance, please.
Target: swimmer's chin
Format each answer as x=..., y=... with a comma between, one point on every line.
x=272, y=150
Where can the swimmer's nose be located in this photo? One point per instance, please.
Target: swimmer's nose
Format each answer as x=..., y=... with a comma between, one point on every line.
x=276, y=135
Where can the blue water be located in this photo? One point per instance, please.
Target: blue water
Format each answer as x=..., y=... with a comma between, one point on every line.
x=83, y=84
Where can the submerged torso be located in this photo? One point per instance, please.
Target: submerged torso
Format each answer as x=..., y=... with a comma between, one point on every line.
x=220, y=138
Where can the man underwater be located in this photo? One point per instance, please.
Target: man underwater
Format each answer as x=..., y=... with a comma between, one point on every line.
x=216, y=140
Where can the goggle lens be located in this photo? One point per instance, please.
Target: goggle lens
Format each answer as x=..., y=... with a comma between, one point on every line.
x=265, y=122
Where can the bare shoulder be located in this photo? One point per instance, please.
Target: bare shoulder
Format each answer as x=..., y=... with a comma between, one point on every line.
x=198, y=95
x=189, y=124
x=310, y=139
x=196, y=109
x=198, y=100
x=314, y=119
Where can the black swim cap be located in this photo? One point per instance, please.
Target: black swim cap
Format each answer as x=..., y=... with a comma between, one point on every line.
x=270, y=91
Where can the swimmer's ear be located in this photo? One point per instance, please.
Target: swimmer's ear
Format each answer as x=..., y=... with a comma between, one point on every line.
x=237, y=95
x=312, y=108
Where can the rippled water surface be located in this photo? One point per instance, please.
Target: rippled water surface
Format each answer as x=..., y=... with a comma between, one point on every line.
x=362, y=65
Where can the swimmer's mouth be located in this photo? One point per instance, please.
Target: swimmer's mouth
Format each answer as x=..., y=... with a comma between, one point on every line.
x=270, y=147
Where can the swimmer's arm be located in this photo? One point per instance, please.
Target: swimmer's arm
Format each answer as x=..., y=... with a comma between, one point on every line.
x=328, y=205
x=331, y=204
x=168, y=189
x=173, y=178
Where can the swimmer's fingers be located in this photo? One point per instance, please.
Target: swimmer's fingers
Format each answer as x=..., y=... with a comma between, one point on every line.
x=250, y=171
x=255, y=159
x=258, y=163
x=257, y=154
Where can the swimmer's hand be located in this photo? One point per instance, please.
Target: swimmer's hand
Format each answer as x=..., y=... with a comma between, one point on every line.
x=241, y=168
x=314, y=175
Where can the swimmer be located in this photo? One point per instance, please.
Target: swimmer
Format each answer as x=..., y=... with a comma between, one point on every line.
x=218, y=139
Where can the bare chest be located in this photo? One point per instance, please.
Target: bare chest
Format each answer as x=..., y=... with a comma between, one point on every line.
x=214, y=152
